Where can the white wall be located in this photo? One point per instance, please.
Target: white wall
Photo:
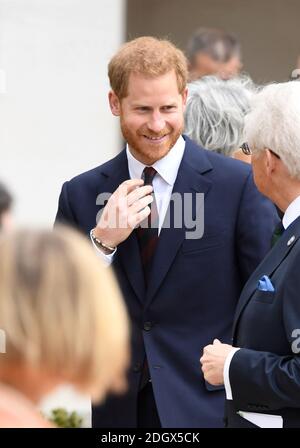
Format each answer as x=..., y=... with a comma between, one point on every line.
x=54, y=115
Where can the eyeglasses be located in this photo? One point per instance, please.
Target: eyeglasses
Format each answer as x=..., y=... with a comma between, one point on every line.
x=246, y=150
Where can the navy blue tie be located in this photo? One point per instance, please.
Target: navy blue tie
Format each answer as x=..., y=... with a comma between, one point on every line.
x=147, y=232
x=147, y=235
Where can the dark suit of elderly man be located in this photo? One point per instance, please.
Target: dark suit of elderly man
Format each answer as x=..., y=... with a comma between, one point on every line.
x=179, y=292
x=262, y=372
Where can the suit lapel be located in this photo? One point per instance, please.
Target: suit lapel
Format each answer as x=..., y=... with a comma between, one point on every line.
x=130, y=258
x=128, y=253
x=190, y=179
x=267, y=267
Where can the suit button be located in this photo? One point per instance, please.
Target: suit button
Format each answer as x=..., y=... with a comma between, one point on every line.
x=137, y=368
x=148, y=326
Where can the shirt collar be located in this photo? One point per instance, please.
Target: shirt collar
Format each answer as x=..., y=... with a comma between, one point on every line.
x=291, y=213
x=167, y=167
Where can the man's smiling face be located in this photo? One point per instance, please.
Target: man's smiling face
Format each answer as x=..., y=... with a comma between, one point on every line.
x=151, y=115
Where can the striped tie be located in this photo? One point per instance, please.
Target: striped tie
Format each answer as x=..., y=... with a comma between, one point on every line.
x=147, y=233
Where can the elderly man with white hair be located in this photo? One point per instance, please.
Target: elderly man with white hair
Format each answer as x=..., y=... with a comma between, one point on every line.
x=261, y=371
x=215, y=114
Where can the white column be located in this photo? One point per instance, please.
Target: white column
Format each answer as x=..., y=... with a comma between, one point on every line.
x=54, y=116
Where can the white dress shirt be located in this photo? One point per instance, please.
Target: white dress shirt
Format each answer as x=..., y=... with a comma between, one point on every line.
x=163, y=183
x=291, y=213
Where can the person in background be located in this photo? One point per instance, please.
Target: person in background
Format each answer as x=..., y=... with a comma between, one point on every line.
x=57, y=305
x=213, y=51
x=215, y=114
x=5, y=209
x=262, y=372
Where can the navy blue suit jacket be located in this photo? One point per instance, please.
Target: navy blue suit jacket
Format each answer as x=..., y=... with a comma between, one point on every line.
x=265, y=374
x=194, y=286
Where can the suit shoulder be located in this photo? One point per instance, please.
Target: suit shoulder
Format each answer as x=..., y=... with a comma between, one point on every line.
x=93, y=176
x=86, y=177
x=229, y=172
x=222, y=166
x=232, y=166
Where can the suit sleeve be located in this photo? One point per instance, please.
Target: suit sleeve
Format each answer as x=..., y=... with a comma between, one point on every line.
x=266, y=377
x=257, y=220
x=65, y=213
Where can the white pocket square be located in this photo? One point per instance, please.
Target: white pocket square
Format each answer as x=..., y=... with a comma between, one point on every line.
x=262, y=420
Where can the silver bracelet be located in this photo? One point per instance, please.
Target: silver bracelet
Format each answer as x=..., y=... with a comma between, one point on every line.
x=105, y=246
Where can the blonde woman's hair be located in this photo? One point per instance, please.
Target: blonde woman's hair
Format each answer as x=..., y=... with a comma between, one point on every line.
x=147, y=56
x=61, y=310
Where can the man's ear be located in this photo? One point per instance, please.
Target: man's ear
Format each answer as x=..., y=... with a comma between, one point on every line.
x=114, y=102
x=184, y=96
x=270, y=161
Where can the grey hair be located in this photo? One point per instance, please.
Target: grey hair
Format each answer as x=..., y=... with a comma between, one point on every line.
x=274, y=123
x=215, y=112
